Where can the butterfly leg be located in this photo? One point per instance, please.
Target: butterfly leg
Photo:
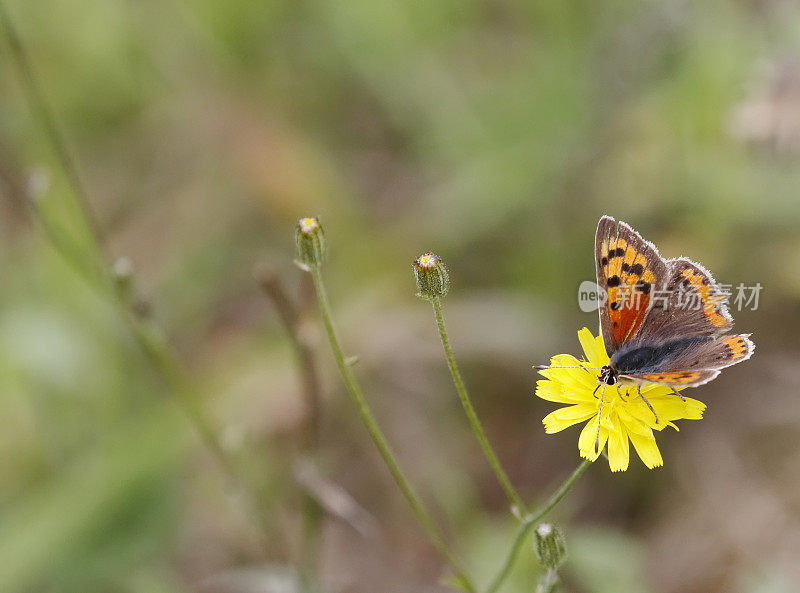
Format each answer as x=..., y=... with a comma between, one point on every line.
x=676, y=392
x=649, y=405
x=599, y=417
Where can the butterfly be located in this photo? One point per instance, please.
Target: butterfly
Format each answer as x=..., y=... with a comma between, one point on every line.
x=663, y=320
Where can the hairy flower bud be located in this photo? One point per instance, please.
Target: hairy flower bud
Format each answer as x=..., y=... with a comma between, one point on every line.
x=433, y=280
x=310, y=242
x=550, y=547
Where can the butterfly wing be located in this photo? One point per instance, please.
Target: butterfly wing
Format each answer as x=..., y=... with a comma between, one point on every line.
x=691, y=362
x=663, y=320
x=629, y=270
x=690, y=304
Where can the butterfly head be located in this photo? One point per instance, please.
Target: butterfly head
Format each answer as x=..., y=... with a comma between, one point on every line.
x=608, y=375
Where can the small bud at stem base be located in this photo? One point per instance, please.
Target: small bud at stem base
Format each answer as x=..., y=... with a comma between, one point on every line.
x=550, y=547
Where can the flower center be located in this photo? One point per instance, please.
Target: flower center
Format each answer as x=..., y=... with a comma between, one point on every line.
x=426, y=261
x=308, y=224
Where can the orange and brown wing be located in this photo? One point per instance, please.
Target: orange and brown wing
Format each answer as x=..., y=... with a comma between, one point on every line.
x=691, y=304
x=700, y=361
x=733, y=349
x=629, y=269
x=680, y=379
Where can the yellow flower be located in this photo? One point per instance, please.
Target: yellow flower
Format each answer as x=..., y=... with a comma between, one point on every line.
x=625, y=415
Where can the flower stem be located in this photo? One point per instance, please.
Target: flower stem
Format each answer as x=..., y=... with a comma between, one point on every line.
x=42, y=111
x=472, y=416
x=529, y=521
x=94, y=270
x=369, y=421
x=174, y=376
x=313, y=514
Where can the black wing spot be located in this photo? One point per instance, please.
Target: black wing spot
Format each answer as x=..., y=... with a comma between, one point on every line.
x=637, y=269
x=643, y=287
x=614, y=306
x=618, y=252
x=613, y=281
x=604, y=261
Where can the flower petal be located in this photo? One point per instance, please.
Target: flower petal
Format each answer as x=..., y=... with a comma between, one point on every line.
x=553, y=391
x=647, y=449
x=588, y=440
x=694, y=409
x=572, y=378
x=562, y=360
x=618, y=452
x=573, y=390
x=633, y=423
x=589, y=345
x=562, y=418
x=602, y=355
x=640, y=417
x=674, y=408
x=651, y=390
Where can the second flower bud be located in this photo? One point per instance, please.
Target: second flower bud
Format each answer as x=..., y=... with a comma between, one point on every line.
x=433, y=281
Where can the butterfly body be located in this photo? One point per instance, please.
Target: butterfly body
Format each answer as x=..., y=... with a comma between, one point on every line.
x=663, y=321
x=608, y=375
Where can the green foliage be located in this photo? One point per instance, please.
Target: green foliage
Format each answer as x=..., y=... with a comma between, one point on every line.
x=607, y=561
x=494, y=132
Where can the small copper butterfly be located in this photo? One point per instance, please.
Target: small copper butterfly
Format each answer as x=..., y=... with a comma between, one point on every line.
x=663, y=321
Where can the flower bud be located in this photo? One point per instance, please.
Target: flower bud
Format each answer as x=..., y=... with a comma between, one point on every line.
x=433, y=280
x=310, y=242
x=550, y=547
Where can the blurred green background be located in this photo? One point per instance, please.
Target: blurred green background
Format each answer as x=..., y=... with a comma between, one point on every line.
x=493, y=132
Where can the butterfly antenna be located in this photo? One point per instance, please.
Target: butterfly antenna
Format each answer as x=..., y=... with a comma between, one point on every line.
x=599, y=412
x=541, y=367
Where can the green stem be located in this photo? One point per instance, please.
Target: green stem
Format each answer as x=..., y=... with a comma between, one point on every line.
x=472, y=416
x=529, y=521
x=98, y=277
x=149, y=340
x=183, y=390
x=42, y=111
x=367, y=418
x=313, y=516
x=548, y=582
x=312, y=512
